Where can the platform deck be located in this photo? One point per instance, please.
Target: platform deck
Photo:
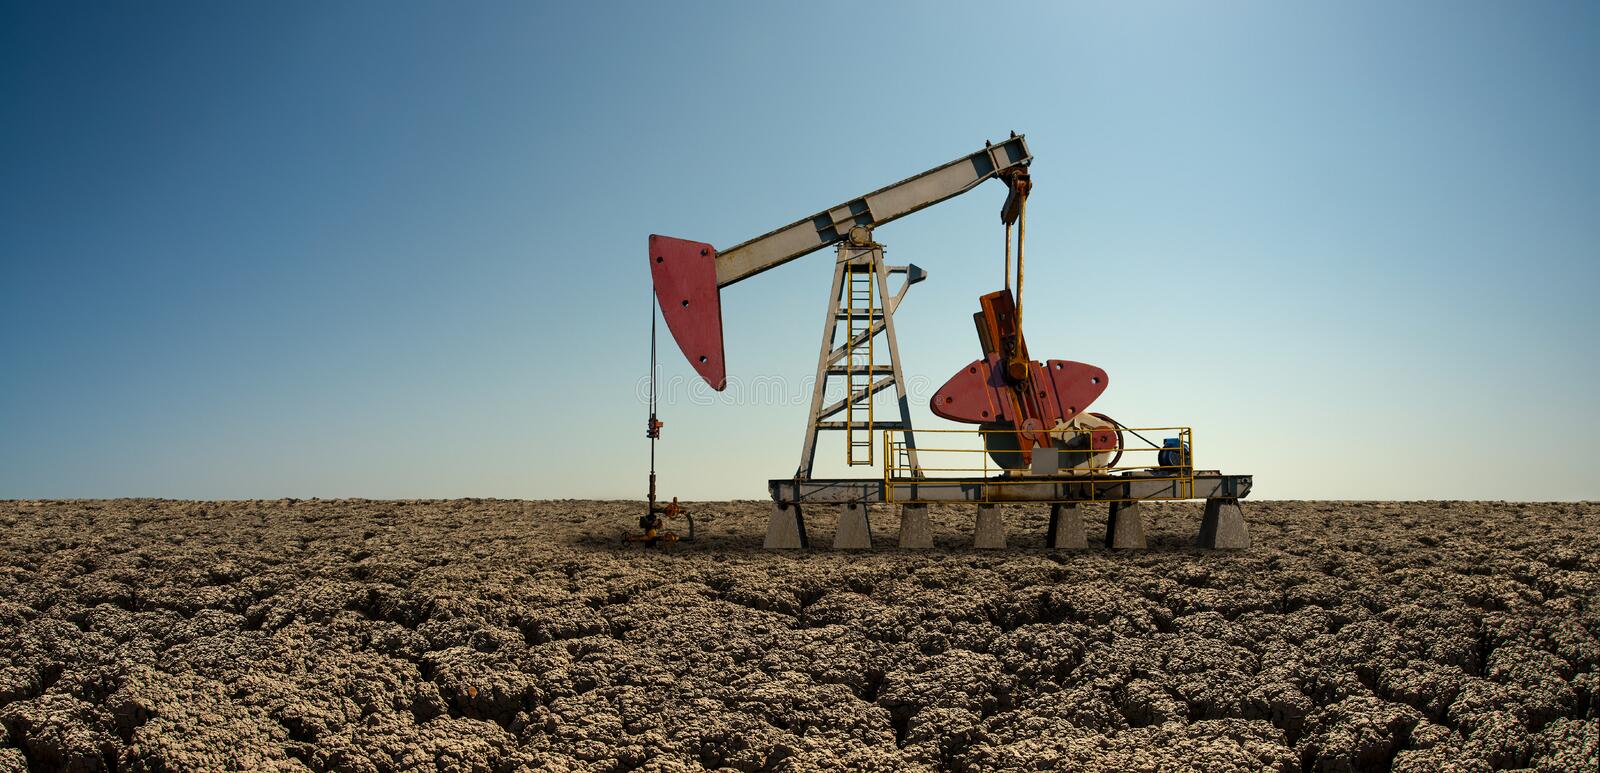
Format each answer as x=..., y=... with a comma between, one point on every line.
x=1204, y=484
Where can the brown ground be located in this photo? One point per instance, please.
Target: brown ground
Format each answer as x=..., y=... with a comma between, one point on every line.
x=494, y=635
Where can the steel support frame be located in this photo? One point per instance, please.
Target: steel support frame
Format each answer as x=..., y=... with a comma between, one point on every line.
x=859, y=256
x=1206, y=485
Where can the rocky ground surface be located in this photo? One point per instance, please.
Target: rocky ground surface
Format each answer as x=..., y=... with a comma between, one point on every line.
x=493, y=635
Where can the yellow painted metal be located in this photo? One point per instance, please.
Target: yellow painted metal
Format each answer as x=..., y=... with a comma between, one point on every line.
x=860, y=284
x=1180, y=475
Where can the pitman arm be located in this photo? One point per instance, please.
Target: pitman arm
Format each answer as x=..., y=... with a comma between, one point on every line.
x=689, y=275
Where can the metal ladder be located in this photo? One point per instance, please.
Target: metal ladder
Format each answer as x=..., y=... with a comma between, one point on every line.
x=860, y=318
x=861, y=308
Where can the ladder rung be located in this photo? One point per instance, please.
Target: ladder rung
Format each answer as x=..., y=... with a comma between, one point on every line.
x=858, y=399
x=863, y=370
x=889, y=425
x=851, y=342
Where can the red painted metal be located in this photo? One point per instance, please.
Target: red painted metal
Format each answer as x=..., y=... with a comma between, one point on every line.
x=979, y=394
x=976, y=395
x=685, y=277
x=1000, y=316
x=1104, y=440
x=1074, y=385
x=1108, y=439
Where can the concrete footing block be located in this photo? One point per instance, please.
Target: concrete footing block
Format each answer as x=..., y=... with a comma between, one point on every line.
x=1125, y=527
x=1066, y=528
x=854, y=533
x=915, y=530
x=990, y=533
x=1223, y=527
x=787, y=529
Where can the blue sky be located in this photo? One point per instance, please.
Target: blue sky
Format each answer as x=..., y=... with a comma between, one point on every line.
x=398, y=250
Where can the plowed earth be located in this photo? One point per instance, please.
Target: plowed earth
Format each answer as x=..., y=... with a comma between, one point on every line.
x=494, y=635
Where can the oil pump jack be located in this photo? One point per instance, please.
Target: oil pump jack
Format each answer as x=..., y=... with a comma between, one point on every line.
x=1039, y=442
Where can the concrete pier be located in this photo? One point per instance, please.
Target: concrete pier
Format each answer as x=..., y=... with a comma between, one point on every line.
x=1066, y=528
x=1125, y=527
x=1223, y=527
x=990, y=533
x=915, y=530
x=854, y=532
x=787, y=528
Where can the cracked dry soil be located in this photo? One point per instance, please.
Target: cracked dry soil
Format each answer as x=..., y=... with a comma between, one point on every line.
x=482, y=635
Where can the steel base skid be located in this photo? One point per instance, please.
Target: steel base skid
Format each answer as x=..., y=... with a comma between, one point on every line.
x=1222, y=527
x=1063, y=488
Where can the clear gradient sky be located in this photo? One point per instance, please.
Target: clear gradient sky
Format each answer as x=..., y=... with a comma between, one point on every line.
x=398, y=249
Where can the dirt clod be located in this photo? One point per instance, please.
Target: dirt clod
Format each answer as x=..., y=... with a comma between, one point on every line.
x=485, y=635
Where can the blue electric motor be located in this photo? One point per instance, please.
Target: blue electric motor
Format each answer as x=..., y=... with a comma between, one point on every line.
x=1174, y=454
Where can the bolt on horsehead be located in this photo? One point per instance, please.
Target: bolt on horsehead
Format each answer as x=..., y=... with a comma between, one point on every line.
x=1032, y=437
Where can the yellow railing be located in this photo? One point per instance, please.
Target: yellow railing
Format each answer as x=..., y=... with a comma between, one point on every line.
x=994, y=459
